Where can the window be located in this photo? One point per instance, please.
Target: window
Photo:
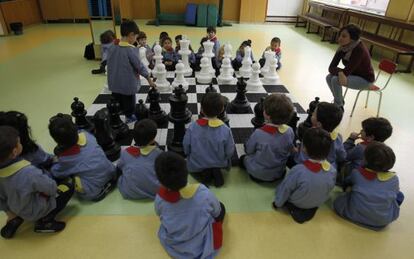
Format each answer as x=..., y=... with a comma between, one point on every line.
x=373, y=6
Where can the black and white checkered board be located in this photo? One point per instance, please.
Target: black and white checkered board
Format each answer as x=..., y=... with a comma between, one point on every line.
x=240, y=124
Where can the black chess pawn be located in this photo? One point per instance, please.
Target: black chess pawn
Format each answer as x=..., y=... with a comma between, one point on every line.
x=155, y=113
x=223, y=115
x=308, y=122
x=141, y=111
x=179, y=115
x=240, y=104
x=211, y=89
x=120, y=128
x=104, y=135
x=258, y=120
x=79, y=113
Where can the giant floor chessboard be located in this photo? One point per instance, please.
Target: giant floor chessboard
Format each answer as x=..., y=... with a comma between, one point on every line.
x=240, y=124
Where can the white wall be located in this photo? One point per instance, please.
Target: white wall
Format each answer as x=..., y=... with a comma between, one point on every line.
x=284, y=7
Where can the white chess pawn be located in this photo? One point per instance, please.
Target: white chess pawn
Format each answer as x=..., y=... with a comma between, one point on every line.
x=271, y=77
x=179, y=76
x=143, y=58
x=268, y=55
x=208, y=53
x=157, y=54
x=226, y=73
x=185, y=53
x=254, y=83
x=246, y=69
x=228, y=49
x=204, y=76
x=161, y=74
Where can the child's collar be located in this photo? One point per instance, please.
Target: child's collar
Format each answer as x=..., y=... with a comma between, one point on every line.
x=123, y=43
x=211, y=122
x=137, y=151
x=214, y=39
x=75, y=149
x=371, y=174
x=334, y=134
x=173, y=196
x=273, y=129
x=13, y=167
x=317, y=165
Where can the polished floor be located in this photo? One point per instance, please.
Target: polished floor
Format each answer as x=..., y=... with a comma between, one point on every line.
x=42, y=70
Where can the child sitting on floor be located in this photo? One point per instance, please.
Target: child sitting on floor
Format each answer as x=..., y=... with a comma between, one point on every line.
x=142, y=42
x=237, y=61
x=107, y=38
x=138, y=179
x=169, y=55
x=275, y=47
x=191, y=216
x=308, y=185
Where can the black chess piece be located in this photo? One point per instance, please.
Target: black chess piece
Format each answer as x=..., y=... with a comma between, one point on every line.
x=258, y=120
x=308, y=122
x=141, y=111
x=120, y=129
x=240, y=104
x=211, y=89
x=155, y=113
x=179, y=115
x=79, y=113
x=223, y=115
x=104, y=135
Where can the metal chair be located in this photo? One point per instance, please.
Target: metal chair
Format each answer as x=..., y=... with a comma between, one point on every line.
x=386, y=66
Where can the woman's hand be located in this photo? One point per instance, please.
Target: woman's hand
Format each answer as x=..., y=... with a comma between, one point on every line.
x=343, y=80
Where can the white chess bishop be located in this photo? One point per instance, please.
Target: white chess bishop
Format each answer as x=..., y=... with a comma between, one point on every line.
x=208, y=53
x=271, y=77
x=160, y=73
x=157, y=54
x=185, y=53
x=246, y=68
x=204, y=76
x=254, y=83
x=179, y=76
x=226, y=73
x=268, y=55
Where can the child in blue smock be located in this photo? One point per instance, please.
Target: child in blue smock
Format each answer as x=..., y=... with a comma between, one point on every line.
x=270, y=146
x=81, y=158
x=208, y=142
x=237, y=61
x=275, y=47
x=191, y=216
x=327, y=116
x=169, y=56
x=124, y=68
x=374, y=198
x=32, y=152
x=107, y=40
x=212, y=36
x=142, y=42
x=138, y=179
x=26, y=193
x=308, y=185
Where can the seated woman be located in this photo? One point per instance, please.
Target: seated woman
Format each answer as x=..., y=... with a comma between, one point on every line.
x=358, y=72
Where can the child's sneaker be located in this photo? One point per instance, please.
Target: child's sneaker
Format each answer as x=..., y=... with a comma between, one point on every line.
x=131, y=119
x=49, y=226
x=98, y=71
x=11, y=227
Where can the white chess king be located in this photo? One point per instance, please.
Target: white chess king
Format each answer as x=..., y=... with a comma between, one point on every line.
x=157, y=54
x=185, y=53
x=208, y=53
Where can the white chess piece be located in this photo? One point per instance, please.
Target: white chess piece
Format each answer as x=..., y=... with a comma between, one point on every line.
x=226, y=73
x=268, y=55
x=185, y=53
x=271, y=77
x=157, y=54
x=204, y=76
x=208, y=53
x=161, y=78
x=254, y=83
x=179, y=76
x=246, y=69
x=228, y=49
x=143, y=58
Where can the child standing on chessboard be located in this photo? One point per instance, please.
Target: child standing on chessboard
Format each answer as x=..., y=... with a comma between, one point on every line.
x=237, y=61
x=191, y=216
x=170, y=58
x=107, y=40
x=374, y=198
x=208, y=142
x=26, y=193
x=32, y=151
x=80, y=158
x=142, y=42
x=270, y=146
x=275, y=47
x=308, y=184
x=138, y=179
x=124, y=68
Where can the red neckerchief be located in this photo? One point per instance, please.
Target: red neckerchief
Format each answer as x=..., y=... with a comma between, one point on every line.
x=270, y=129
x=312, y=166
x=367, y=174
x=134, y=151
x=170, y=49
x=364, y=143
x=278, y=50
x=214, y=39
x=168, y=195
x=202, y=122
x=74, y=150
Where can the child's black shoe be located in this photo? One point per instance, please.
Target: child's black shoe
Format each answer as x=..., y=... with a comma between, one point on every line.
x=11, y=227
x=51, y=226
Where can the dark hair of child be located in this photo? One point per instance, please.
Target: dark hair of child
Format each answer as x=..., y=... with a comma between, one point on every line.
x=107, y=37
x=18, y=121
x=144, y=132
x=171, y=170
x=141, y=35
x=379, y=157
x=279, y=108
x=329, y=115
x=128, y=27
x=212, y=104
x=8, y=141
x=178, y=37
x=163, y=35
x=317, y=143
x=63, y=131
x=204, y=39
x=379, y=128
x=275, y=40
x=246, y=43
x=353, y=30
x=211, y=29
x=165, y=39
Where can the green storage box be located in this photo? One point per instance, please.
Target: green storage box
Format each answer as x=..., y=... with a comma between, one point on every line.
x=212, y=15
x=202, y=15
